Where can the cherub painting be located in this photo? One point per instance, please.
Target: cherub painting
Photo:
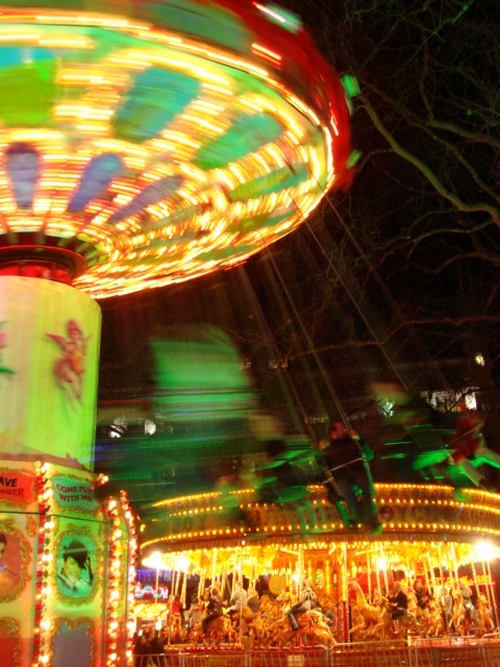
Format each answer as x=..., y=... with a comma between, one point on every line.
x=69, y=368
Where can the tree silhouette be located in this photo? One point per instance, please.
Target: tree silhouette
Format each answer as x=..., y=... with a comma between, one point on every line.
x=410, y=254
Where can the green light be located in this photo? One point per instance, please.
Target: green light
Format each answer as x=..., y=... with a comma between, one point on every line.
x=200, y=376
x=393, y=456
x=354, y=157
x=284, y=18
x=32, y=92
x=351, y=85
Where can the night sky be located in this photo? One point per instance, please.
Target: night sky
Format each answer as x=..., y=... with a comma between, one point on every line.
x=392, y=281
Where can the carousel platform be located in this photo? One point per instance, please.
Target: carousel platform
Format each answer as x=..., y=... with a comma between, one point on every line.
x=452, y=652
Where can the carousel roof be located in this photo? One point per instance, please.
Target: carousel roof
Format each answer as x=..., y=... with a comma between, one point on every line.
x=147, y=143
x=427, y=523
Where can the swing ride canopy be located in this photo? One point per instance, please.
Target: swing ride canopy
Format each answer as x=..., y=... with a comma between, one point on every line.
x=147, y=143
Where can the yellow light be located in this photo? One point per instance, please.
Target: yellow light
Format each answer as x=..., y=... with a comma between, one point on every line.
x=485, y=551
x=261, y=50
x=382, y=563
x=154, y=561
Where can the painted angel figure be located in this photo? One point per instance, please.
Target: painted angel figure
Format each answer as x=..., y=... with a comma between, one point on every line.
x=69, y=368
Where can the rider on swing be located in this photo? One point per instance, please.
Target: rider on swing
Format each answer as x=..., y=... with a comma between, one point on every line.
x=346, y=459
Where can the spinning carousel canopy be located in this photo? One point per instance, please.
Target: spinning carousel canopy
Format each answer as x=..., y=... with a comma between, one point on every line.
x=147, y=143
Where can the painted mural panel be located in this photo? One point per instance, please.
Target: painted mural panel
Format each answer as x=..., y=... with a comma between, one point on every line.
x=49, y=346
x=76, y=564
x=18, y=534
x=10, y=646
x=77, y=584
x=72, y=643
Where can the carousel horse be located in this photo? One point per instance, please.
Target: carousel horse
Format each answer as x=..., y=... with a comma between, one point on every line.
x=329, y=609
x=176, y=633
x=273, y=610
x=282, y=604
x=319, y=629
x=359, y=624
x=195, y=634
x=244, y=624
x=435, y=621
x=415, y=613
x=485, y=622
x=219, y=629
x=259, y=631
x=279, y=630
x=377, y=617
x=313, y=630
x=459, y=621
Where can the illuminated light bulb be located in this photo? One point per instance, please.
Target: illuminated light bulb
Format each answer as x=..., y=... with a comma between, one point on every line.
x=479, y=359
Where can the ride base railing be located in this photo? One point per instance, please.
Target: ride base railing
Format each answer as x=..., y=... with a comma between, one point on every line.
x=450, y=652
